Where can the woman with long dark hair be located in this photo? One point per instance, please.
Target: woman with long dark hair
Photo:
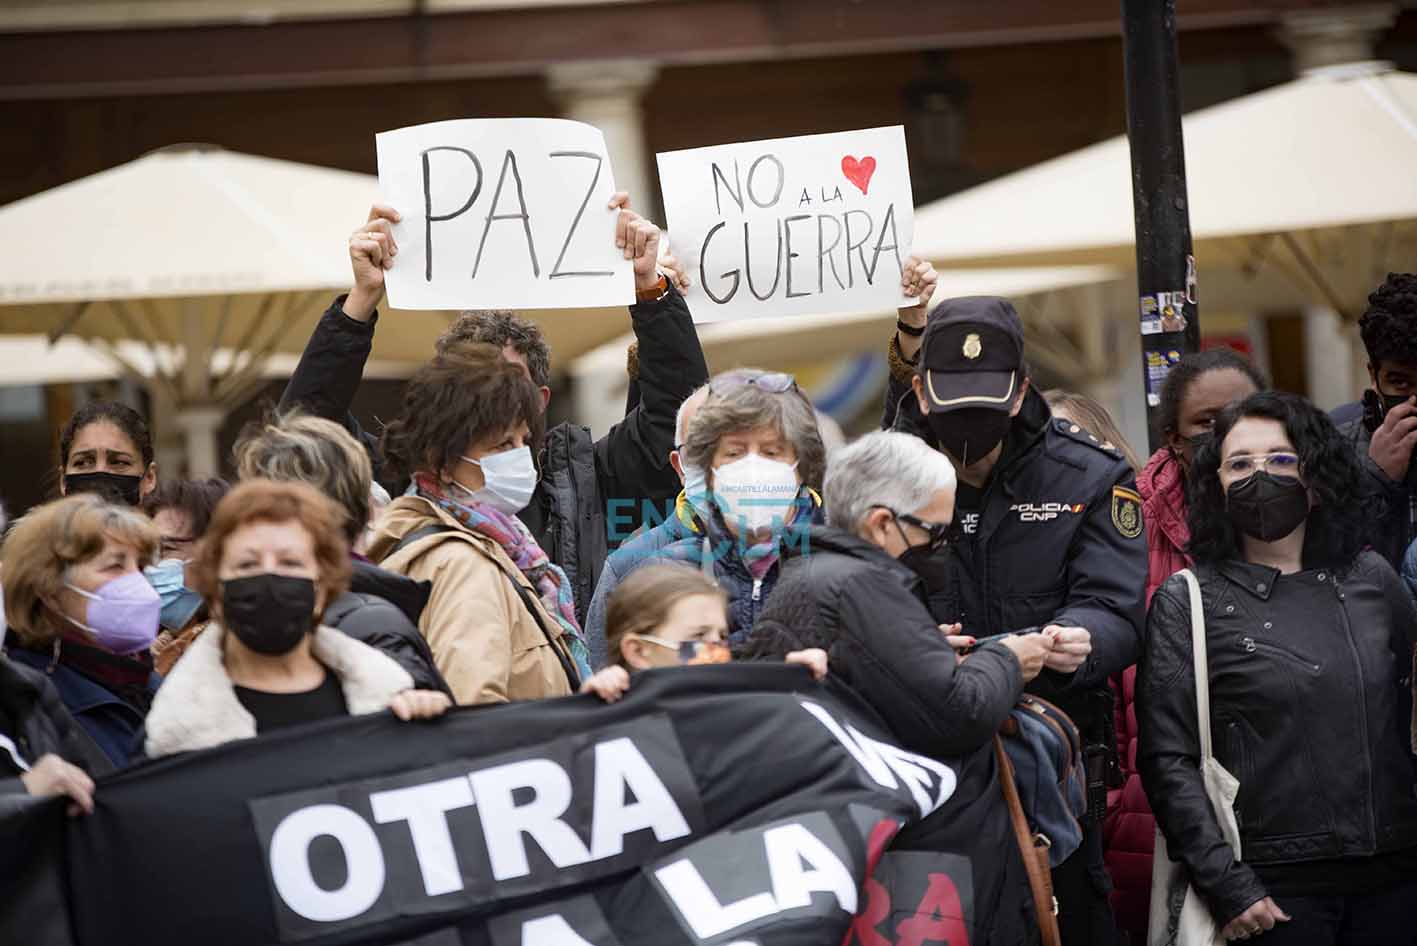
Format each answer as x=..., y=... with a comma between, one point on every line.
x=1196, y=390
x=1307, y=635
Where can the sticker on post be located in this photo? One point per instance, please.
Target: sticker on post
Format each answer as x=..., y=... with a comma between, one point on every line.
x=1163, y=313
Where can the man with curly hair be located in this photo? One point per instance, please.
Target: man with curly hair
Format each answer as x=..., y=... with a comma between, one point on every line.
x=1386, y=434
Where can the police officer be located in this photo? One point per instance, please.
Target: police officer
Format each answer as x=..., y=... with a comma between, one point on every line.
x=1048, y=539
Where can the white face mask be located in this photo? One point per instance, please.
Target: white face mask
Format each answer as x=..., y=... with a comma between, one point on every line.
x=755, y=491
x=509, y=479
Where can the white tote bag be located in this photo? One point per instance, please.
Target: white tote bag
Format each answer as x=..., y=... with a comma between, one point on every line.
x=1179, y=917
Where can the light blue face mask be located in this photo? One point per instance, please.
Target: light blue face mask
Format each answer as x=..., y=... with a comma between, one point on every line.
x=696, y=487
x=179, y=603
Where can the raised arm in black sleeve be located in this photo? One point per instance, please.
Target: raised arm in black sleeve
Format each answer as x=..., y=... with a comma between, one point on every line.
x=330, y=370
x=1168, y=755
x=632, y=459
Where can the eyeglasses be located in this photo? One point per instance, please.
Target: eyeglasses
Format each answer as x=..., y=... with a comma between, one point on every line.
x=1275, y=464
x=773, y=382
x=939, y=531
x=694, y=652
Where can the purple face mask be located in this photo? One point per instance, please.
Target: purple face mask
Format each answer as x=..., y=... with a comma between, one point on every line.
x=122, y=614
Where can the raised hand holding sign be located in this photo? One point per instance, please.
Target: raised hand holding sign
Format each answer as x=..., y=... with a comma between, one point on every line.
x=821, y=223
x=513, y=213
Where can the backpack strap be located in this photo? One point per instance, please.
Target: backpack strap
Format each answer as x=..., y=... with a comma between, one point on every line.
x=417, y=535
x=1034, y=850
x=563, y=656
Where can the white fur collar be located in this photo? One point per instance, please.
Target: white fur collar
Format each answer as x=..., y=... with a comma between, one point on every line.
x=196, y=706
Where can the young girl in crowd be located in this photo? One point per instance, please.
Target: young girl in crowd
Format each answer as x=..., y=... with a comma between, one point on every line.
x=1307, y=635
x=668, y=615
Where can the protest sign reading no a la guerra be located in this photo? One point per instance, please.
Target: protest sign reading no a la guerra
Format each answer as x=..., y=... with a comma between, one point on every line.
x=504, y=213
x=790, y=226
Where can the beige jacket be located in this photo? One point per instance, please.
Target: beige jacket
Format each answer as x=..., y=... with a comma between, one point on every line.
x=486, y=644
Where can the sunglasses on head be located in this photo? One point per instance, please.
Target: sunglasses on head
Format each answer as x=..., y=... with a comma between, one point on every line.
x=773, y=382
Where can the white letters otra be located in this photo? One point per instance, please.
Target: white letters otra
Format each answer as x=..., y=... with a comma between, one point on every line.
x=290, y=863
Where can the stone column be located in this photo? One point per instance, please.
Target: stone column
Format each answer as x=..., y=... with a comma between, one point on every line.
x=1318, y=39
x=607, y=94
x=200, y=425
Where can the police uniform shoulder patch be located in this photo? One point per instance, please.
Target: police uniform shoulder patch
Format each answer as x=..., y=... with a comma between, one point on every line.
x=1126, y=512
x=1077, y=434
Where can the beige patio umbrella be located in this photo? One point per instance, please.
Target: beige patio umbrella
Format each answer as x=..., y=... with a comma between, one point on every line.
x=194, y=250
x=1060, y=306
x=1304, y=193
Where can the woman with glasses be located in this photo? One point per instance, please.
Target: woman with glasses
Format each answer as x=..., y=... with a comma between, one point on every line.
x=856, y=593
x=753, y=460
x=1198, y=388
x=1307, y=637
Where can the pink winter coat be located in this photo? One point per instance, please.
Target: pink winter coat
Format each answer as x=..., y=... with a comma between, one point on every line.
x=1130, y=829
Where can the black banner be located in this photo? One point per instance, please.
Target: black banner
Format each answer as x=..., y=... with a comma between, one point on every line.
x=714, y=805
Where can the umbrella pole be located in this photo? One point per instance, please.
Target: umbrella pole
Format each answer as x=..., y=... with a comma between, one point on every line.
x=1166, y=277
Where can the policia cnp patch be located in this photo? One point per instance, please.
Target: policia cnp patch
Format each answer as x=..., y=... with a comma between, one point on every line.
x=1126, y=512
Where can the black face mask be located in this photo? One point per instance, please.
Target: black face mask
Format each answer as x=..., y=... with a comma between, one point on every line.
x=114, y=487
x=1376, y=406
x=1200, y=441
x=930, y=564
x=269, y=613
x=1267, y=507
x=969, y=433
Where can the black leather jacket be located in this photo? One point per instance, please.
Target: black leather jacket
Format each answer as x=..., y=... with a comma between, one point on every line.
x=1305, y=671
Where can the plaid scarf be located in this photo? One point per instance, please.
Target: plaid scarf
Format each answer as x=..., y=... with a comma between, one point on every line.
x=516, y=540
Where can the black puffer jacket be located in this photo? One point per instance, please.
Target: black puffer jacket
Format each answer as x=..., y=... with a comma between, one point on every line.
x=1304, y=678
x=381, y=609
x=866, y=610
x=584, y=481
x=35, y=723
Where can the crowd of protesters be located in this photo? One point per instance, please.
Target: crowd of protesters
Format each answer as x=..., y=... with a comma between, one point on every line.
x=992, y=547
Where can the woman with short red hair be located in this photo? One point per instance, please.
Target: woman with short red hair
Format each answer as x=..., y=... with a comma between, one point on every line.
x=274, y=556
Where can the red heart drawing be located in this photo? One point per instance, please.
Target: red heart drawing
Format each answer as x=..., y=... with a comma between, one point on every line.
x=859, y=172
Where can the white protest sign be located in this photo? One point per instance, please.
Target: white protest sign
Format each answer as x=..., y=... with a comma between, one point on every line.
x=791, y=226
x=502, y=213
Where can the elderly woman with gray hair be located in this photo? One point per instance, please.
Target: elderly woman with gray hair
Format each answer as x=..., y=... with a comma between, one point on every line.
x=856, y=593
x=753, y=460
x=854, y=590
